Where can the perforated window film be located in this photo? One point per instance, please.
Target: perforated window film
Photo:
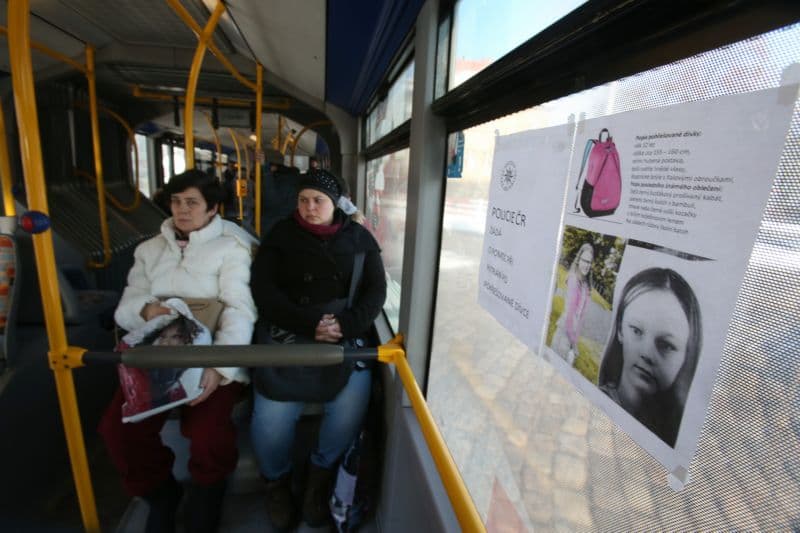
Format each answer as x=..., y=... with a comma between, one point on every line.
x=534, y=453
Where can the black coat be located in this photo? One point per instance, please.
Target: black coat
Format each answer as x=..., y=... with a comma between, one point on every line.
x=295, y=273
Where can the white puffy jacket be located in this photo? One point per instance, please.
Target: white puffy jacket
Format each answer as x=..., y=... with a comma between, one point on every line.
x=215, y=264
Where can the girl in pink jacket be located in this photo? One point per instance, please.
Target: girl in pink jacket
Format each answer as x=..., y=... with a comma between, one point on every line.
x=579, y=287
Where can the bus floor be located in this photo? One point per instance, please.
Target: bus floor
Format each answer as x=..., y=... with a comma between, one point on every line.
x=244, y=508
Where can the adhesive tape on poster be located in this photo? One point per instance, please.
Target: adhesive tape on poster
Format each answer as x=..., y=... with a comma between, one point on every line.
x=581, y=123
x=678, y=479
x=790, y=77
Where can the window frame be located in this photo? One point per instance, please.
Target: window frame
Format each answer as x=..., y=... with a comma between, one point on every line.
x=565, y=58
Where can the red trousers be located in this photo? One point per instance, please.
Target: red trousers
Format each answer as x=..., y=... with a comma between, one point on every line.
x=145, y=462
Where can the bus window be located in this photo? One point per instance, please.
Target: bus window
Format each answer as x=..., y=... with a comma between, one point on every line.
x=387, y=183
x=534, y=453
x=394, y=109
x=144, y=172
x=485, y=31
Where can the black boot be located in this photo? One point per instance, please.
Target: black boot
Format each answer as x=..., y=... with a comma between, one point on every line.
x=204, y=507
x=280, y=504
x=163, y=501
x=316, y=511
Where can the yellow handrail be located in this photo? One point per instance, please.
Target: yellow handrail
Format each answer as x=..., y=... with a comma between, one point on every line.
x=60, y=354
x=305, y=129
x=50, y=52
x=244, y=140
x=468, y=517
x=259, y=103
x=217, y=160
x=238, y=172
x=137, y=199
x=273, y=103
x=98, y=161
x=10, y=209
x=204, y=38
x=89, y=70
x=187, y=18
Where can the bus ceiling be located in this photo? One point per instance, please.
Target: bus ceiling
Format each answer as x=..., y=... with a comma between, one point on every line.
x=315, y=52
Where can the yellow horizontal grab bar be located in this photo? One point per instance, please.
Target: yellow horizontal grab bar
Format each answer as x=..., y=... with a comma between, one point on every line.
x=52, y=53
x=272, y=103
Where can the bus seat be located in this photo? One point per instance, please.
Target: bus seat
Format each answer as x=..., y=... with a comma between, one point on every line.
x=9, y=297
x=82, y=306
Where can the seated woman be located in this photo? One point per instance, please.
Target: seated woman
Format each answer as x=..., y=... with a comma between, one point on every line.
x=579, y=288
x=652, y=354
x=197, y=255
x=301, y=282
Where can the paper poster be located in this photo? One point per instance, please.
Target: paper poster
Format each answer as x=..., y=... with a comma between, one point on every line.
x=662, y=211
x=526, y=200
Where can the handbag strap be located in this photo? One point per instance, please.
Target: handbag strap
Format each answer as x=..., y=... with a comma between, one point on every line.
x=355, y=279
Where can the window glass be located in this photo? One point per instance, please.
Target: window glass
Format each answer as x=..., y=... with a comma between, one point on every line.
x=486, y=30
x=144, y=174
x=387, y=184
x=394, y=109
x=179, y=155
x=442, y=53
x=166, y=168
x=533, y=452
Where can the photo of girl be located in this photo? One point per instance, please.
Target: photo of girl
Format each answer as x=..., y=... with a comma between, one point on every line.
x=652, y=351
x=149, y=391
x=579, y=286
x=580, y=310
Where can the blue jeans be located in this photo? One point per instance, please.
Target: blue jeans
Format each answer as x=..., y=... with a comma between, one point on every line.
x=273, y=426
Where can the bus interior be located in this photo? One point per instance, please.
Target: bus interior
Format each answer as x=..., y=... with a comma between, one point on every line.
x=408, y=102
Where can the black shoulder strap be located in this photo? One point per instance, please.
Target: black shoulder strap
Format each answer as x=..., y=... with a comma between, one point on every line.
x=355, y=279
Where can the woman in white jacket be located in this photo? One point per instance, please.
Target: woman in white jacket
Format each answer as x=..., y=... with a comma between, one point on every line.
x=197, y=255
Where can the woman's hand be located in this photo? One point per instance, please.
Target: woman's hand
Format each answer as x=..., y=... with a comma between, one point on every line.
x=154, y=309
x=209, y=382
x=328, y=329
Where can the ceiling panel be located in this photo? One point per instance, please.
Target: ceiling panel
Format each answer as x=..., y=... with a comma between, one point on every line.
x=287, y=37
x=142, y=22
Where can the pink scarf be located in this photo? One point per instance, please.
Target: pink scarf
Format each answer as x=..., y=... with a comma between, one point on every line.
x=320, y=230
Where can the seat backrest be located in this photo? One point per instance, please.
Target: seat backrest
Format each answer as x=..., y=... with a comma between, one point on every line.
x=9, y=297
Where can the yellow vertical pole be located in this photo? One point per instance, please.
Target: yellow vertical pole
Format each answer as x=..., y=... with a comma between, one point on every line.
x=467, y=515
x=238, y=172
x=191, y=86
x=98, y=160
x=246, y=158
x=280, y=132
x=31, y=151
x=218, y=161
x=259, y=103
x=5, y=170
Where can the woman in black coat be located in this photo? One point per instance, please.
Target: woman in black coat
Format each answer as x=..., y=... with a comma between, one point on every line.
x=301, y=283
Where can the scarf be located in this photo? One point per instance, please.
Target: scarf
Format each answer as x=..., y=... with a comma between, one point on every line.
x=319, y=230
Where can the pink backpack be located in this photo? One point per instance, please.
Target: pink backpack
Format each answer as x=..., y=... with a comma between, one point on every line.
x=602, y=187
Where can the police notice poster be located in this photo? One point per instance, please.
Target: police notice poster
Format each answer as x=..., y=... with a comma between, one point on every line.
x=617, y=248
x=526, y=199
x=662, y=212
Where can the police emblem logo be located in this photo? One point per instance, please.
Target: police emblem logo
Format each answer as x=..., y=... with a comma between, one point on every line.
x=508, y=176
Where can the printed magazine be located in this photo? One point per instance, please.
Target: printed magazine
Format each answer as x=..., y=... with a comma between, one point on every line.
x=149, y=391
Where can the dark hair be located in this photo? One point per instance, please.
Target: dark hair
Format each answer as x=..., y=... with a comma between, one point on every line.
x=662, y=415
x=208, y=186
x=187, y=329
